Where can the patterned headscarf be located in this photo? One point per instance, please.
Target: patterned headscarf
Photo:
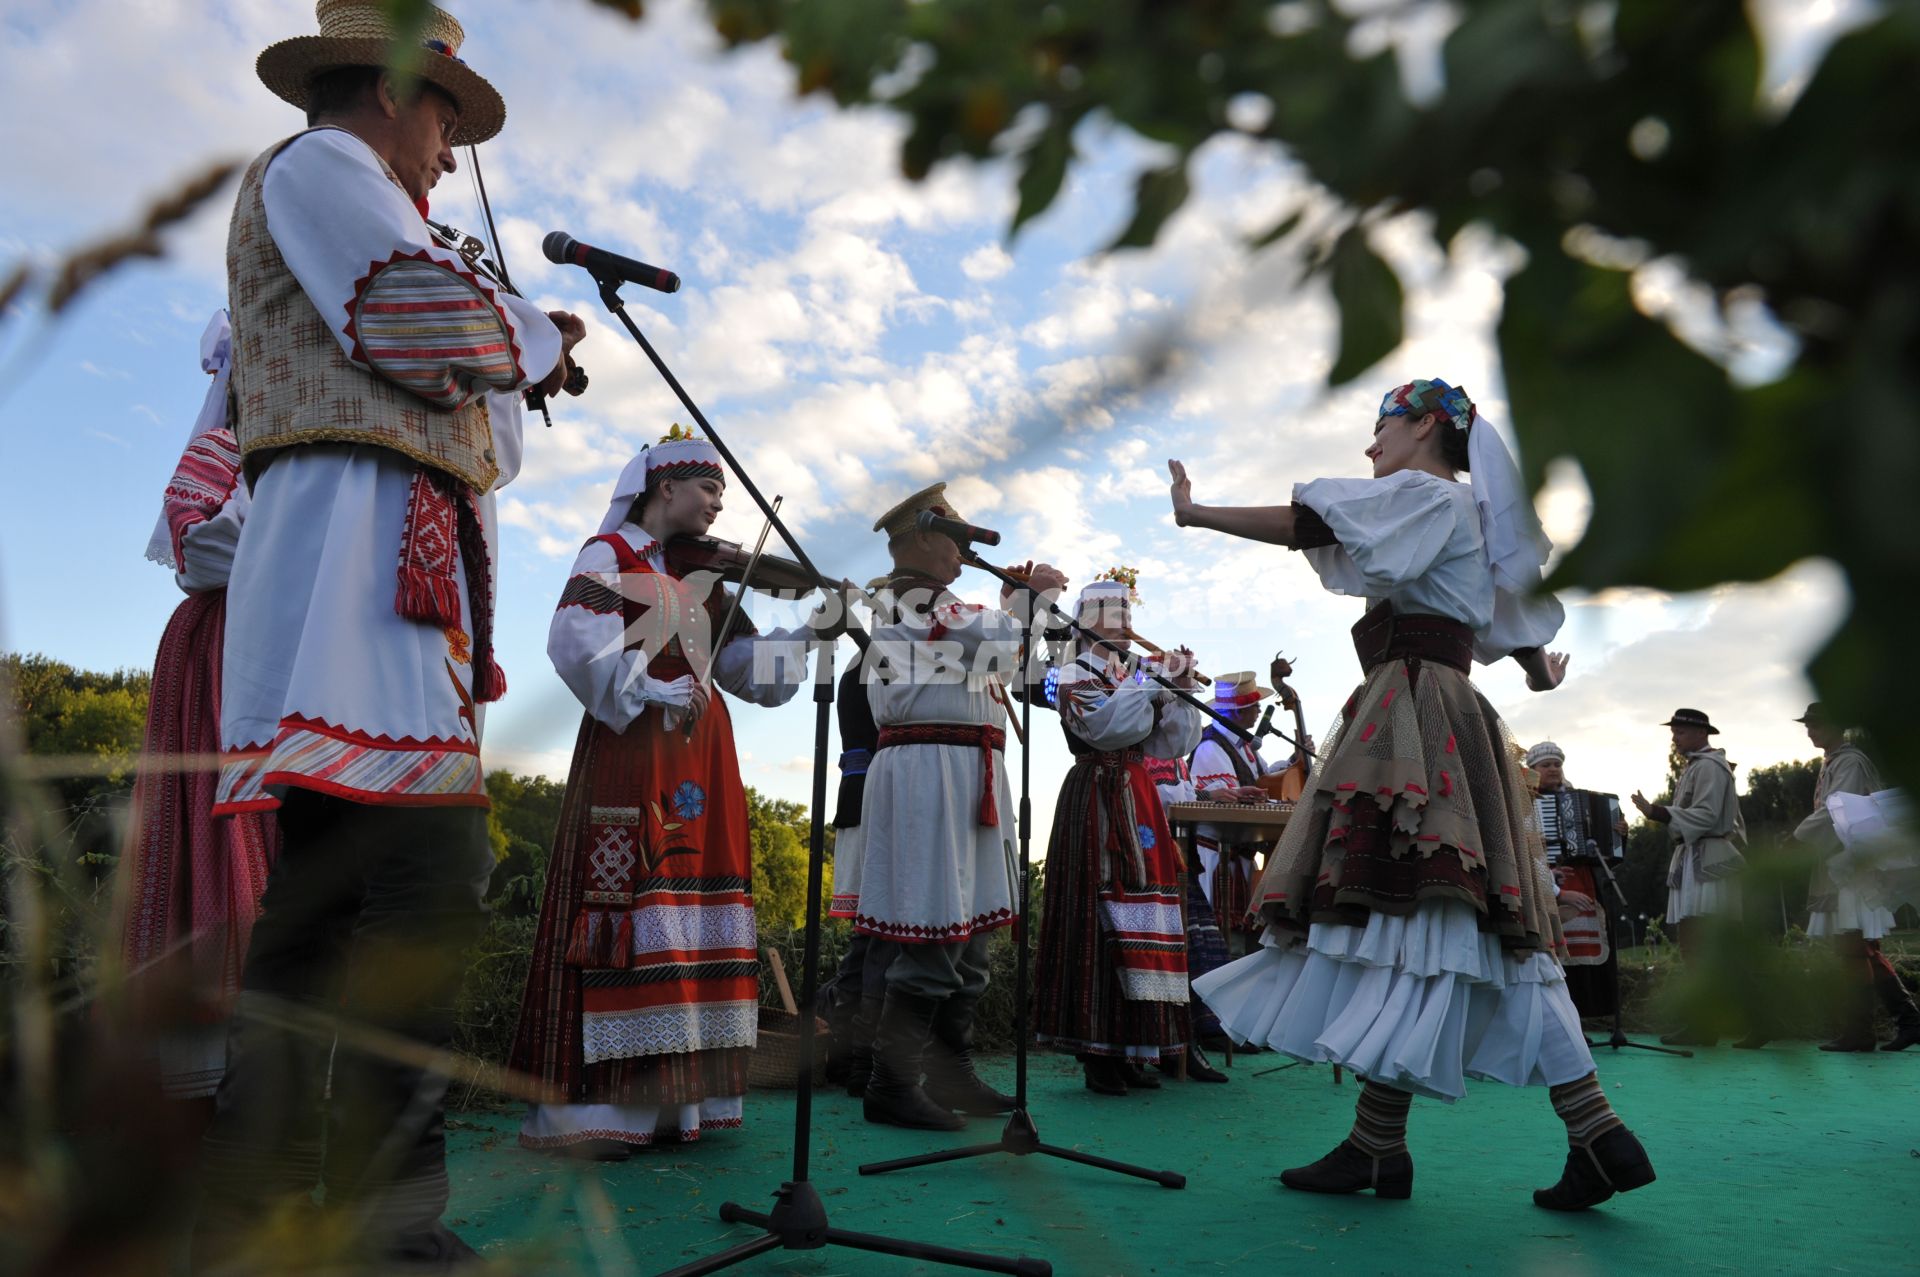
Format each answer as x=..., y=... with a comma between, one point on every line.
x=1418, y=398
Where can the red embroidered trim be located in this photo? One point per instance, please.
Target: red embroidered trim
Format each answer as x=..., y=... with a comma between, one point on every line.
x=322, y=727
x=913, y=933
x=359, y=354
x=369, y=797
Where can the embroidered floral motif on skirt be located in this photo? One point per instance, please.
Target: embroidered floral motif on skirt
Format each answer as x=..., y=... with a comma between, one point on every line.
x=644, y=986
x=1111, y=960
x=1416, y=796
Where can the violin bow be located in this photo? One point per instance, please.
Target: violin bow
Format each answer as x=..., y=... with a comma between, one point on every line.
x=733, y=608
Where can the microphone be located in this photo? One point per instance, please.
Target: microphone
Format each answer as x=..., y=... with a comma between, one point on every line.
x=964, y=533
x=1266, y=723
x=563, y=249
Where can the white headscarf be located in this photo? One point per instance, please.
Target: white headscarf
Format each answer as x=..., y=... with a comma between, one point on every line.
x=216, y=356
x=1517, y=546
x=683, y=456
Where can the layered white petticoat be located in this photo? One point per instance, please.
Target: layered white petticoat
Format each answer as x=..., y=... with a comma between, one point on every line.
x=1418, y=1003
x=556, y=1125
x=1851, y=912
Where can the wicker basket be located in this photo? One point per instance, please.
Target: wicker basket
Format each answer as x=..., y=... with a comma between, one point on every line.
x=775, y=1062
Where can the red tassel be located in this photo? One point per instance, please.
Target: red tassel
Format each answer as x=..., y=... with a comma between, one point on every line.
x=493, y=686
x=621, y=957
x=426, y=596
x=579, y=948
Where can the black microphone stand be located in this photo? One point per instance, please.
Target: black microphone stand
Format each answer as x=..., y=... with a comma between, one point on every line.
x=1021, y=1137
x=1619, y=1037
x=798, y=1220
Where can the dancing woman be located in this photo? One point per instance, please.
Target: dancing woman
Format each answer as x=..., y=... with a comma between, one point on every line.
x=1411, y=930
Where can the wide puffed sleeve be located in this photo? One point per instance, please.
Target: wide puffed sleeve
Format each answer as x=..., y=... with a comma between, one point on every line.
x=1212, y=768
x=763, y=668
x=1387, y=532
x=1105, y=717
x=399, y=304
x=1179, y=729
x=587, y=644
x=204, y=505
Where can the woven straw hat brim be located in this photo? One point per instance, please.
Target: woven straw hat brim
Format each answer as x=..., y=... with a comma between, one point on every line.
x=288, y=67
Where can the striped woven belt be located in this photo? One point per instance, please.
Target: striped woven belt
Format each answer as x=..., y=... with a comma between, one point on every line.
x=991, y=740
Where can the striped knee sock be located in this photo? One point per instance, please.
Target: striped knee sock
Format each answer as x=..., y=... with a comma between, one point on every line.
x=1583, y=1107
x=1380, y=1120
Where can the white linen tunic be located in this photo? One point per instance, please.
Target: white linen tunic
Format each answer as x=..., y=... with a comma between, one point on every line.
x=1212, y=768
x=1420, y=1002
x=326, y=686
x=930, y=872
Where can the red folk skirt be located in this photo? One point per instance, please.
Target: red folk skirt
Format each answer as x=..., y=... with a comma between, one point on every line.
x=644, y=986
x=1110, y=969
x=193, y=881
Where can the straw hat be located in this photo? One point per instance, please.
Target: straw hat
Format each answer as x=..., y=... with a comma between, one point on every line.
x=1239, y=690
x=358, y=33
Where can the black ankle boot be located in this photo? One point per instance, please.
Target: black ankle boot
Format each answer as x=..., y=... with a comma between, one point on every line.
x=1614, y=1163
x=893, y=1094
x=1199, y=1069
x=1104, y=1075
x=1138, y=1079
x=1349, y=1170
x=866, y=1021
x=951, y=1080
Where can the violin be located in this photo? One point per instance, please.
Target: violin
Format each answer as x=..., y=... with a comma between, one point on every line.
x=687, y=554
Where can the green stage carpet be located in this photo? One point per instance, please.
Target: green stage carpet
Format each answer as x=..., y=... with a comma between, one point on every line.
x=1786, y=1160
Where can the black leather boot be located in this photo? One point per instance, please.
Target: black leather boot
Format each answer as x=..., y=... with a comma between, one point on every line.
x=1199, y=1068
x=893, y=1093
x=1104, y=1075
x=1138, y=1079
x=866, y=1021
x=1614, y=1163
x=1349, y=1170
x=1856, y=1031
x=951, y=1080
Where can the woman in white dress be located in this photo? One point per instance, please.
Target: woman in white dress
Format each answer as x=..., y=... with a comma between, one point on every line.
x=1411, y=931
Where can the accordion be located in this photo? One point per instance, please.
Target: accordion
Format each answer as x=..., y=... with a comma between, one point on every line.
x=1578, y=824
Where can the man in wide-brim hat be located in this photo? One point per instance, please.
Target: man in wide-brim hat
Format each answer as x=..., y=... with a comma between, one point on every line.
x=376, y=389
x=1703, y=876
x=1227, y=768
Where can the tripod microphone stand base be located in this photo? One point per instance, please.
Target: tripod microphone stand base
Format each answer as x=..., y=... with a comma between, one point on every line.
x=1021, y=1138
x=798, y=1221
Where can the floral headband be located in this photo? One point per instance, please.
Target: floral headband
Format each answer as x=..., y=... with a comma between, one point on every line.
x=1122, y=575
x=1418, y=398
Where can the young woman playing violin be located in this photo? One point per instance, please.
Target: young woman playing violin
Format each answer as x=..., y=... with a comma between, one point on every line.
x=641, y=1004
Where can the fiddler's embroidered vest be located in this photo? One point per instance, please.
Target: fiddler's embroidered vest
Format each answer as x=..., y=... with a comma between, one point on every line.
x=292, y=383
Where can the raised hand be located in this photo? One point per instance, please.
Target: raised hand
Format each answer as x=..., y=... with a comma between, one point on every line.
x=1181, y=492
x=1550, y=672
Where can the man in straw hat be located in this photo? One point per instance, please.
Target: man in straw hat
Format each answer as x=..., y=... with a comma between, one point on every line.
x=375, y=383
x=1228, y=769
x=1703, y=877
x=1846, y=905
x=936, y=872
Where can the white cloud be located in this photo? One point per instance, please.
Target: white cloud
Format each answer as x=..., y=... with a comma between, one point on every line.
x=987, y=262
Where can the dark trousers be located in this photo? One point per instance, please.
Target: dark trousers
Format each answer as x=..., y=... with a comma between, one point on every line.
x=365, y=922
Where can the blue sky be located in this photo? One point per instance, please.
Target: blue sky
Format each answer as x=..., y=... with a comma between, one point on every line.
x=853, y=337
